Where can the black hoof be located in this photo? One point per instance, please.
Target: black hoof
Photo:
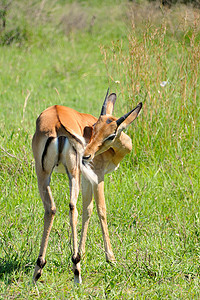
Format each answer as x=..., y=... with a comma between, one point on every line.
x=41, y=262
x=76, y=259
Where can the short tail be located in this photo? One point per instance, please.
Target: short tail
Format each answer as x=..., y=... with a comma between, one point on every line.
x=86, y=170
x=88, y=173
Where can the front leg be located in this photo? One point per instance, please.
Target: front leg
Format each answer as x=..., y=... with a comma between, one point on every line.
x=105, y=163
x=101, y=209
x=87, y=211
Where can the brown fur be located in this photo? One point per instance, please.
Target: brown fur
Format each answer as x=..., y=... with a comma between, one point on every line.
x=64, y=136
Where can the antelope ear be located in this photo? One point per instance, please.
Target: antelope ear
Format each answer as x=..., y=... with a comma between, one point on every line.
x=111, y=103
x=108, y=104
x=87, y=134
x=127, y=119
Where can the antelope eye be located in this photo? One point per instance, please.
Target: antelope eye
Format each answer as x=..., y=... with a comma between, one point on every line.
x=110, y=138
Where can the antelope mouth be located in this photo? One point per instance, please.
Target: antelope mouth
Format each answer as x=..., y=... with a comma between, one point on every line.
x=86, y=158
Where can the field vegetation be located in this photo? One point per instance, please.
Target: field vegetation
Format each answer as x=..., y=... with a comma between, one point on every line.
x=58, y=52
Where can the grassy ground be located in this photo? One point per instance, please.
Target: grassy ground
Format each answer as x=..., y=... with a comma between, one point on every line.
x=68, y=54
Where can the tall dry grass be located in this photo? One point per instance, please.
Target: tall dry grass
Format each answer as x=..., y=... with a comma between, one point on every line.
x=161, y=68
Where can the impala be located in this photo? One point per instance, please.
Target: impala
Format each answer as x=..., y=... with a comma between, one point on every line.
x=79, y=143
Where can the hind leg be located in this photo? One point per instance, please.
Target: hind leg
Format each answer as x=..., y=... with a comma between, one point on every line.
x=50, y=210
x=44, y=165
x=73, y=213
x=70, y=160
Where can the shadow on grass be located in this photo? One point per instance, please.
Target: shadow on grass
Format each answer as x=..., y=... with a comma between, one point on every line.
x=7, y=267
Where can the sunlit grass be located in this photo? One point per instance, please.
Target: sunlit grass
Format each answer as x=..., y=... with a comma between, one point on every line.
x=152, y=199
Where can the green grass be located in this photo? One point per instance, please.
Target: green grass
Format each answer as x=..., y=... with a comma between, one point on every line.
x=152, y=199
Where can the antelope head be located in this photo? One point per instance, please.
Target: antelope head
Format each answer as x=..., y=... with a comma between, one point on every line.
x=108, y=128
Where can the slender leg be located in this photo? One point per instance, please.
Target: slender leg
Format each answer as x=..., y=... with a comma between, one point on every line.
x=50, y=210
x=101, y=209
x=74, y=191
x=87, y=211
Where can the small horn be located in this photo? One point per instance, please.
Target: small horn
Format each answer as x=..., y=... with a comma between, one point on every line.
x=103, y=110
x=120, y=120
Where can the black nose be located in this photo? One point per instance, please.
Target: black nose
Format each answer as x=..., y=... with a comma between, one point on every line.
x=86, y=157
